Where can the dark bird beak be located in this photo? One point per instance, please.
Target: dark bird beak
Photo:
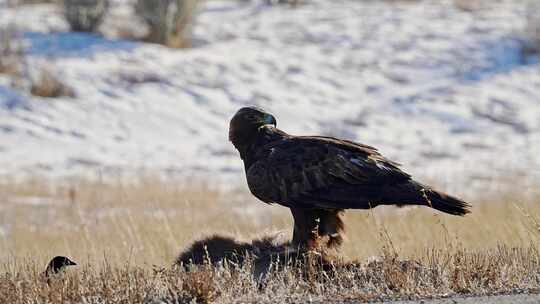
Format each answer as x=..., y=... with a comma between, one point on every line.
x=69, y=262
x=270, y=120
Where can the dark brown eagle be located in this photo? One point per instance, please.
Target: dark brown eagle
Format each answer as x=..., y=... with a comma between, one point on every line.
x=319, y=177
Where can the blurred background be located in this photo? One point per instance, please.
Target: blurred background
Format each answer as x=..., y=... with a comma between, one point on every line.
x=121, y=105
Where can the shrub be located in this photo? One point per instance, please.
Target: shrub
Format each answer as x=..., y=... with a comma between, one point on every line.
x=85, y=15
x=532, y=28
x=468, y=5
x=290, y=2
x=168, y=20
x=48, y=85
x=37, y=1
x=11, y=52
x=13, y=64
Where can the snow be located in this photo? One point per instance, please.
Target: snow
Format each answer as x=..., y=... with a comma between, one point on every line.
x=443, y=91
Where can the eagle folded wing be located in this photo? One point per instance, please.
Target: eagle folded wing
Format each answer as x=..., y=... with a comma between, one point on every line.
x=321, y=172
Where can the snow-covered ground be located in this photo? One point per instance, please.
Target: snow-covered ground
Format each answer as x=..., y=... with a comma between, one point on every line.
x=446, y=92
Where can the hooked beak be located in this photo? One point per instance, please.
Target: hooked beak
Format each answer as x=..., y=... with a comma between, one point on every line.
x=270, y=120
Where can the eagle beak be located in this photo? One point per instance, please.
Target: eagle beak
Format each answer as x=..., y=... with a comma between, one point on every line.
x=270, y=120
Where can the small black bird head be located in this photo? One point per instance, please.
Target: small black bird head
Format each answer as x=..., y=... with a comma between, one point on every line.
x=245, y=124
x=57, y=264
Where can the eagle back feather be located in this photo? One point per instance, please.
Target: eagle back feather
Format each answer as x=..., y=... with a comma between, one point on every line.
x=318, y=172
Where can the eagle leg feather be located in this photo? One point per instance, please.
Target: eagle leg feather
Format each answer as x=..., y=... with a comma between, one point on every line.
x=313, y=226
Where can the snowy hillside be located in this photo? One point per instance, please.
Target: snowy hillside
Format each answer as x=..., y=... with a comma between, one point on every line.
x=446, y=92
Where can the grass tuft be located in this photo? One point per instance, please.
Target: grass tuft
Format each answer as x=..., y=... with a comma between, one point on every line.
x=49, y=86
x=126, y=236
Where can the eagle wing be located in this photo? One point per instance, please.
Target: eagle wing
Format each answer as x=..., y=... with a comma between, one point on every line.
x=322, y=172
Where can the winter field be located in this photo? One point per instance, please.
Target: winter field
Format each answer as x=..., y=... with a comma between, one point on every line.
x=126, y=237
x=444, y=91
x=134, y=164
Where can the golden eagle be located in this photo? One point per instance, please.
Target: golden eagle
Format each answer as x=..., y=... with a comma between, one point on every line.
x=319, y=177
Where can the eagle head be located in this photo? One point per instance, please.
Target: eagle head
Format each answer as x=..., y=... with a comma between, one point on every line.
x=245, y=125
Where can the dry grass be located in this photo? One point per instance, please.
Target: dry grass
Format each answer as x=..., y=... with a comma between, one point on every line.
x=49, y=86
x=436, y=273
x=292, y=3
x=11, y=52
x=85, y=15
x=146, y=222
x=13, y=63
x=169, y=21
x=126, y=236
x=469, y=5
x=532, y=29
x=27, y=2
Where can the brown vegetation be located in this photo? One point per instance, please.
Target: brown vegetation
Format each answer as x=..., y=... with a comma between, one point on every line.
x=125, y=237
x=155, y=219
x=532, y=29
x=11, y=52
x=469, y=5
x=169, y=21
x=435, y=273
x=13, y=64
x=85, y=15
x=23, y=2
x=48, y=85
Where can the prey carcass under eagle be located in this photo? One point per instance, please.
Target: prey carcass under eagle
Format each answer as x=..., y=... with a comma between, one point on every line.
x=318, y=177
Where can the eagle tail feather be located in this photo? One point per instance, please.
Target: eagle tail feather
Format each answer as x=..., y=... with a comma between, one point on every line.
x=444, y=202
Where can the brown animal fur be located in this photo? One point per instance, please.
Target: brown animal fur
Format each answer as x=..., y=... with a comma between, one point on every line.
x=265, y=254
x=217, y=249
